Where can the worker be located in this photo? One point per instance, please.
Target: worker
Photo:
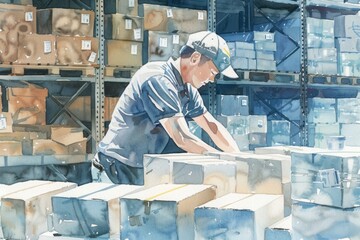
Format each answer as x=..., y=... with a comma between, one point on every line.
x=152, y=112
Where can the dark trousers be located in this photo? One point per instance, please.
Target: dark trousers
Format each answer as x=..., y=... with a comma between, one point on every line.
x=118, y=172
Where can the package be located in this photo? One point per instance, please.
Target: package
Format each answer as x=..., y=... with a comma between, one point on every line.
x=27, y=104
x=238, y=216
x=90, y=210
x=124, y=27
x=280, y=230
x=36, y=49
x=164, y=211
x=130, y=52
x=346, y=26
x=129, y=7
x=6, y=122
x=24, y=213
x=10, y=148
x=66, y=22
x=77, y=50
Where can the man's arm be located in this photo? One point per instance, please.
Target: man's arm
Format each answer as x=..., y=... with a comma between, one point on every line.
x=179, y=131
x=217, y=132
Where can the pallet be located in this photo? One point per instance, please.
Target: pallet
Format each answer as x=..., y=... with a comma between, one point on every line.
x=265, y=76
x=120, y=72
x=338, y=80
x=75, y=71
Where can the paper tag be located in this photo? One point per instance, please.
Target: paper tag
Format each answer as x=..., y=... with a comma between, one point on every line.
x=92, y=57
x=29, y=17
x=86, y=45
x=260, y=123
x=47, y=47
x=244, y=102
x=128, y=24
x=137, y=33
x=85, y=18
x=176, y=39
x=2, y=122
x=200, y=15
x=131, y=3
x=163, y=42
x=134, y=49
x=169, y=13
x=329, y=177
x=268, y=36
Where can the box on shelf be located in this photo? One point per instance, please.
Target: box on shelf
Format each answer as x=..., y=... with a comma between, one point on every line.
x=10, y=148
x=24, y=214
x=77, y=50
x=36, y=49
x=164, y=211
x=6, y=122
x=27, y=104
x=346, y=26
x=65, y=22
x=90, y=210
x=129, y=7
x=238, y=216
x=124, y=27
x=130, y=52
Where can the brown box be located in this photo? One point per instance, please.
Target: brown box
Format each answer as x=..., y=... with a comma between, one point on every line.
x=36, y=49
x=77, y=50
x=25, y=138
x=66, y=22
x=123, y=53
x=172, y=19
x=15, y=21
x=124, y=27
x=109, y=106
x=6, y=122
x=10, y=148
x=27, y=105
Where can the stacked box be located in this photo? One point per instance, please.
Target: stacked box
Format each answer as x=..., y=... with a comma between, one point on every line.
x=131, y=50
x=230, y=105
x=244, y=55
x=124, y=27
x=27, y=105
x=129, y=7
x=15, y=21
x=158, y=168
x=219, y=173
x=257, y=131
x=164, y=211
x=322, y=110
x=238, y=216
x=351, y=133
x=349, y=63
x=279, y=132
x=320, y=132
x=280, y=230
x=347, y=110
x=77, y=51
x=24, y=213
x=163, y=45
x=265, y=48
x=66, y=22
x=90, y=210
x=322, y=57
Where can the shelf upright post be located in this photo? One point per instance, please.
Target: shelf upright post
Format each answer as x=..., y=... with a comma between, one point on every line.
x=212, y=27
x=303, y=77
x=99, y=79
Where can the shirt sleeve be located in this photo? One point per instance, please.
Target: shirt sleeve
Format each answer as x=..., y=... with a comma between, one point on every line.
x=160, y=98
x=196, y=105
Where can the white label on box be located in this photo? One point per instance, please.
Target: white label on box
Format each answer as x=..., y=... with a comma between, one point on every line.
x=244, y=102
x=47, y=47
x=29, y=17
x=137, y=33
x=131, y=3
x=200, y=15
x=85, y=18
x=260, y=123
x=329, y=177
x=176, y=39
x=92, y=57
x=134, y=49
x=268, y=36
x=128, y=24
x=86, y=45
x=163, y=42
x=2, y=122
x=169, y=13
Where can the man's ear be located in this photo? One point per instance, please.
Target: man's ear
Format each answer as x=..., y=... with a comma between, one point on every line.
x=195, y=58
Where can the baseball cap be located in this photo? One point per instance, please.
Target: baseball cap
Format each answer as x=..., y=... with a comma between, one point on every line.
x=214, y=47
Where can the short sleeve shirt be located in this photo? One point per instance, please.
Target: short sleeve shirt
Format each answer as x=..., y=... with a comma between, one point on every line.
x=156, y=91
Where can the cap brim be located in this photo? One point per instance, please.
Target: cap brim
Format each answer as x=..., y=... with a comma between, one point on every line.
x=229, y=72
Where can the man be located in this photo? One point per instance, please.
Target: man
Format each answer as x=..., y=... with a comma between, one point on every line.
x=150, y=116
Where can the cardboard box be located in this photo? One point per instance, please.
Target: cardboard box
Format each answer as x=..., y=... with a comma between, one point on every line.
x=280, y=230
x=130, y=52
x=36, y=49
x=24, y=214
x=129, y=7
x=27, y=104
x=6, y=122
x=124, y=27
x=99, y=205
x=77, y=50
x=238, y=216
x=66, y=22
x=10, y=148
x=164, y=211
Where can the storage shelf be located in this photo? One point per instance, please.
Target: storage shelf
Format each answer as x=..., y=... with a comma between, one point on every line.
x=254, y=83
x=331, y=4
x=117, y=80
x=277, y=4
x=46, y=78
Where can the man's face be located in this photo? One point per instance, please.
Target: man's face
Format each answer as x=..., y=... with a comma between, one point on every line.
x=203, y=73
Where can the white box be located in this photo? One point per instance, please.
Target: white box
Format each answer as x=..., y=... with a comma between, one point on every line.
x=280, y=230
